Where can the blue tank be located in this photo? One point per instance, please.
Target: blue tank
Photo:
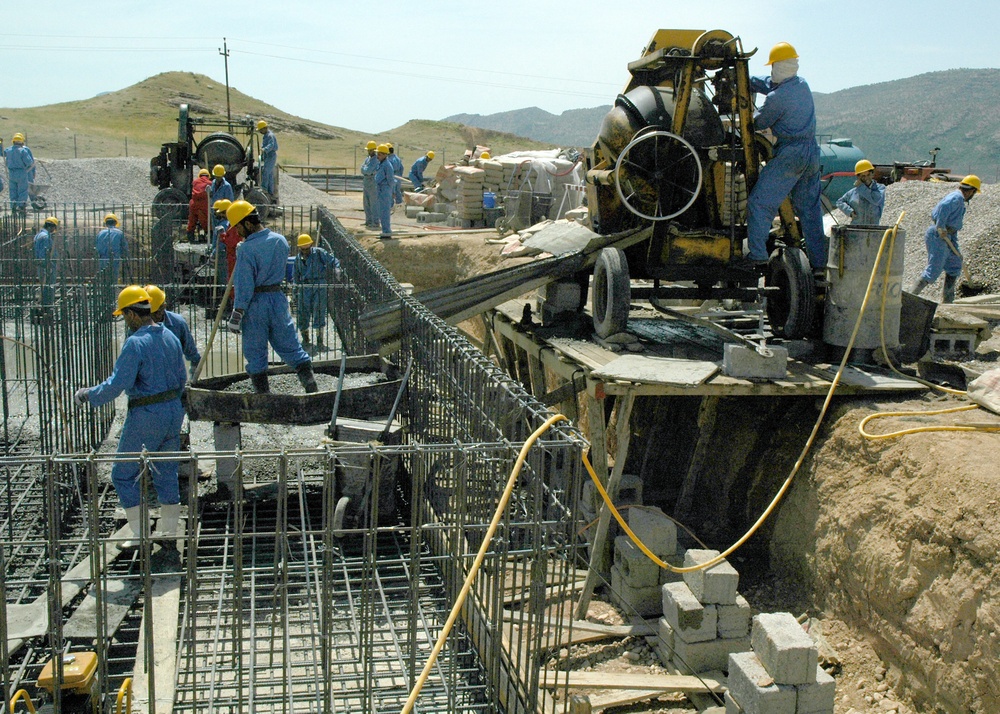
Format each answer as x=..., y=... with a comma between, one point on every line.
x=837, y=159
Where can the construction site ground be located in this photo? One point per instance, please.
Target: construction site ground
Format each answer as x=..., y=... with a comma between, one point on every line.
x=889, y=546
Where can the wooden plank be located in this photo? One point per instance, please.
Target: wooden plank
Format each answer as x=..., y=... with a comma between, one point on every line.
x=621, y=697
x=118, y=594
x=662, y=683
x=657, y=370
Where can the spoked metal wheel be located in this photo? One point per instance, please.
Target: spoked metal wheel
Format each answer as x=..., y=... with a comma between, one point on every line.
x=658, y=175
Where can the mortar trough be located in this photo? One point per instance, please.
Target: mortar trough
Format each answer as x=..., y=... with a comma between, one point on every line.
x=205, y=400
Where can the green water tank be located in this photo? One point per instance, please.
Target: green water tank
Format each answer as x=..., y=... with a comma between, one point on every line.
x=836, y=166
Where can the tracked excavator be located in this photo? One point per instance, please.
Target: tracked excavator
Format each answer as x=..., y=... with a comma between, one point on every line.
x=678, y=153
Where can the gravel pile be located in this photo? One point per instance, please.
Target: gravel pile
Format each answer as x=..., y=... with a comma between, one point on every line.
x=289, y=383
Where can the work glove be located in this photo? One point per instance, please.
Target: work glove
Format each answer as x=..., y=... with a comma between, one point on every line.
x=81, y=396
x=234, y=325
x=338, y=275
x=194, y=368
x=943, y=232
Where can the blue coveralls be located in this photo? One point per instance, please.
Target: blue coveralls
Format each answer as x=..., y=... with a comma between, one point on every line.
x=260, y=263
x=112, y=248
x=789, y=112
x=417, y=173
x=864, y=204
x=370, y=194
x=397, y=170
x=949, y=214
x=268, y=161
x=176, y=323
x=310, y=274
x=151, y=363
x=45, y=264
x=218, y=191
x=385, y=182
x=21, y=171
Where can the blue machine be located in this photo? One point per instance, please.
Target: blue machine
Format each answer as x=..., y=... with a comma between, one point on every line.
x=837, y=158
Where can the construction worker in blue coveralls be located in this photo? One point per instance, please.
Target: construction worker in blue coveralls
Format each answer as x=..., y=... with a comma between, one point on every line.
x=788, y=111
x=385, y=182
x=311, y=274
x=174, y=322
x=268, y=158
x=20, y=171
x=46, y=258
x=112, y=249
x=150, y=370
x=864, y=202
x=417, y=171
x=260, y=308
x=370, y=193
x=397, y=170
x=220, y=189
x=941, y=238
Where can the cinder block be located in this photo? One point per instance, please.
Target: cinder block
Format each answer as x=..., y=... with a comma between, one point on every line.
x=695, y=657
x=717, y=584
x=690, y=620
x=746, y=362
x=753, y=688
x=414, y=211
x=669, y=576
x=653, y=528
x=646, y=602
x=734, y=620
x=637, y=569
x=731, y=706
x=786, y=651
x=561, y=295
x=950, y=343
x=431, y=217
x=817, y=698
x=663, y=643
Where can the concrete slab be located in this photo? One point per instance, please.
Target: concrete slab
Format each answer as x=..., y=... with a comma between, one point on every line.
x=657, y=370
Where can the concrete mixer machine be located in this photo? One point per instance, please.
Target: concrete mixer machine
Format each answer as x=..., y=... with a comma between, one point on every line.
x=678, y=154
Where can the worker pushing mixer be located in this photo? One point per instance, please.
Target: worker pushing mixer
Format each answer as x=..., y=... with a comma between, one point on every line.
x=788, y=111
x=150, y=370
x=311, y=273
x=863, y=204
x=417, y=171
x=260, y=308
x=941, y=238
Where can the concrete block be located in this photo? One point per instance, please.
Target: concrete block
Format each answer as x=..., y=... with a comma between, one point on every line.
x=663, y=643
x=786, y=651
x=414, y=211
x=946, y=344
x=731, y=706
x=653, y=528
x=734, y=620
x=695, y=657
x=753, y=688
x=561, y=295
x=642, y=601
x=637, y=569
x=431, y=217
x=817, y=698
x=669, y=576
x=690, y=620
x=746, y=362
x=717, y=584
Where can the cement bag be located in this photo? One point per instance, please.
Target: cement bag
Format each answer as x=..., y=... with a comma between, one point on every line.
x=426, y=200
x=985, y=390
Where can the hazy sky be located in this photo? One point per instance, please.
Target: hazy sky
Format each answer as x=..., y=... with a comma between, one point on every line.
x=371, y=67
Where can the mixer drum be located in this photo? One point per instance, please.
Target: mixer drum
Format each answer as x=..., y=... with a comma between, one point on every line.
x=221, y=148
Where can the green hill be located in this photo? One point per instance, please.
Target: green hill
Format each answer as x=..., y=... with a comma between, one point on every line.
x=134, y=121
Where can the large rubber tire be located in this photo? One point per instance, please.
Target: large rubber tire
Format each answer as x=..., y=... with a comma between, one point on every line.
x=792, y=310
x=339, y=514
x=612, y=293
x=169, y=200
x=258, y=197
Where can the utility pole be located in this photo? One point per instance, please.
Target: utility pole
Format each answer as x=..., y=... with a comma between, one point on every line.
x=225, y=54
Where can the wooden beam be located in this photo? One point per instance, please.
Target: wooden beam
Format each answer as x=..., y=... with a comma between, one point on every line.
x=662, y=683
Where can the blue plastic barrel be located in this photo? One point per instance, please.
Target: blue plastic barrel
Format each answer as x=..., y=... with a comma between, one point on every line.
x=289, y=269
x=489, y=200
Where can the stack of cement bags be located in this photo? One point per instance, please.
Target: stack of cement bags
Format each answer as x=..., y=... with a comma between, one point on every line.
x=494, y=174
x=470, y=192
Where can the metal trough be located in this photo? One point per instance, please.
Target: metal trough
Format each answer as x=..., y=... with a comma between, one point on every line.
x=205, y=401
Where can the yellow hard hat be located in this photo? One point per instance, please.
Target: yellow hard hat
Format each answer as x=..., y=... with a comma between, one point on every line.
x=53, y=221
x=371, y=145
x=239, y=210
x=156, y=297
x=972, y=181
x=862, y=166
x=484, y=155
x=18, y=137
x=203, y=172
x=781, y=51
x=218, y=170
x=221, y=205
x=111, y=217
x=382, y=149
x=389, y=144
x=261, y=125
x=130, y=295
x=304, y=240
x=430, y=154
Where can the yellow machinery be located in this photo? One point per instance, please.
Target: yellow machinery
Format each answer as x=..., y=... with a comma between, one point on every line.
x=678, y=151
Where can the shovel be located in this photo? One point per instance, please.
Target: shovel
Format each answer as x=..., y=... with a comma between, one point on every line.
x=972, y=286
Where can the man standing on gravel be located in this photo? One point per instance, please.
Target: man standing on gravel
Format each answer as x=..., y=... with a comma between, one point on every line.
x=20, y=171
x=259, y=300
x=268, y=158
x=863, y=204
x=370, y=193
x=385, y=182
x=941, y=238
x=112, y=248
x=311, y=275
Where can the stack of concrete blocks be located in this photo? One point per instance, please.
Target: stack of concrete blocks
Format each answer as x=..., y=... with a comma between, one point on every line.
x=704, y=618
x=470, y=193
x=782, y=674
x=635, y=579
x=493, y=178
x=629, y=494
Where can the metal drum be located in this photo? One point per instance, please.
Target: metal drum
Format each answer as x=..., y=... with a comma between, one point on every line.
x=853, y=250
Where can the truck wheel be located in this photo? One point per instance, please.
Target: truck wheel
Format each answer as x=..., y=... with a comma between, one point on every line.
x=168, y=200
x=612, y=293
x=792, y=309
x=338, y=517
x=258, y=197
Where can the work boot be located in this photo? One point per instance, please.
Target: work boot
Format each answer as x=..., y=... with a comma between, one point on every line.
x=259, y=382
x=190, y=236
x=950, y=283
x=306, y=377
x=134, y=519
x=305, y=337
x=919, y=286
x=166, y=529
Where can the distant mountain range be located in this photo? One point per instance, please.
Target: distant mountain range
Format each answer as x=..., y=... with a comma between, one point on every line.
x=955, y=111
